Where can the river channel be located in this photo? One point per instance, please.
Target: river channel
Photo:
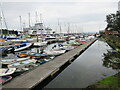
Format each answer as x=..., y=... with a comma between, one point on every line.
x=86, y=70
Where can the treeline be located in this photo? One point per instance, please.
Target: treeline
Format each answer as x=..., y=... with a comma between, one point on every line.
x=113, y=22
x=6, y=32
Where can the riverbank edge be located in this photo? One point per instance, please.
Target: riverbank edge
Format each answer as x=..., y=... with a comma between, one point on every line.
x=110, y=78
x=110, y=83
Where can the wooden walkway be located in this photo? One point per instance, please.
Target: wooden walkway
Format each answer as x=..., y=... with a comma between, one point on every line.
x=36, y=76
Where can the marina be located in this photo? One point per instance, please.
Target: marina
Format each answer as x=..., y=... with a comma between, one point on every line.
x=59, y=44
x=46, y=69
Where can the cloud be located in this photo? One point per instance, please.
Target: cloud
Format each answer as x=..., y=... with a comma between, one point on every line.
x=86, y=15
x=60, y=0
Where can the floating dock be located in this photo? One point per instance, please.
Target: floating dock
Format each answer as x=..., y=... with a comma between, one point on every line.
x=36, y=76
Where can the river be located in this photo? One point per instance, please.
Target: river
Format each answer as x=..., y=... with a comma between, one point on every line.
x=86, y=70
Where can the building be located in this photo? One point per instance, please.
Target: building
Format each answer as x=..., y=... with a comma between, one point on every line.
x=119, y=6
x=108, y=32
x=38, y=28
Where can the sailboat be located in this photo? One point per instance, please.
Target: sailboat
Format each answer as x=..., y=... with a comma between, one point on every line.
x=39, y=27
x=22, y=47
x=3, y=38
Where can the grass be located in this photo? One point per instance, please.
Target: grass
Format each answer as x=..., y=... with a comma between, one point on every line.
x=110, y=83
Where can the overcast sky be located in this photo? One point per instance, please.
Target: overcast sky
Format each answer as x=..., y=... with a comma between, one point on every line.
x=82, y=15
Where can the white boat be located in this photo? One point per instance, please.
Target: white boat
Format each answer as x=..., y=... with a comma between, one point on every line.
x=54, y=52
x=10, y=61
x=18, y=40
x=22, y=64
x=64, y=47
x=6, y=71
x=76, y=44
x=72, y=38
x=4, y=42
x=61, y=40
x=40, y=43
x=22, y=47
x=49, y=37
x=33, y=39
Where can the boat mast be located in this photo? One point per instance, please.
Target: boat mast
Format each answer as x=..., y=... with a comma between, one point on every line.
x=41, y=21
x=68, y=28
x=20, y=22
x=1, y=22
x=2, y=14
x=36, y=27
x=59, y=26
x=29, y=19
x=36, y=16
x=40, y=17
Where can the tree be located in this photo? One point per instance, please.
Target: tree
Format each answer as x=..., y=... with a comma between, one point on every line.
x=113, y=22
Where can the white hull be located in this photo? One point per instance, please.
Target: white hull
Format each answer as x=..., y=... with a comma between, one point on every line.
x=65, y=47
x=10, y=61
x=7, y=71
x=22, y=48
x=55, y=52
x=22, y=64
x=18, y=40
x=40, y=43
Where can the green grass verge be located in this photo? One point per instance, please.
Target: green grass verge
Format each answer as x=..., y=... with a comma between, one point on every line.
x=109, y=82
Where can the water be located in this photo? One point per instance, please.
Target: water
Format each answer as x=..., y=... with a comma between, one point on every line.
x=86, y=70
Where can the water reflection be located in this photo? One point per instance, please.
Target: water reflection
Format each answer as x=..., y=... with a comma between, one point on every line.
x=112, y=60
x=86, y=70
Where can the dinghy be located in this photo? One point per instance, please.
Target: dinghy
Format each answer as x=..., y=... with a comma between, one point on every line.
x=32, y=55
x=64, y=47
x=40, y=43
x=54, y=52
x=10, y=61
x=4, y=79
x=22, y=64
x=6, y=71
x=22, y=47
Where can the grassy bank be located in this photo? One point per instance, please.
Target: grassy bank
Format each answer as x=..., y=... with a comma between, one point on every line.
x=111, y=83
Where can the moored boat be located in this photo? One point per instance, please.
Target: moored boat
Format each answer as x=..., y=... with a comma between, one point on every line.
x=22, y=47
x=6, y=71
x=32, y=55
x=81, y=41
x=64, y=47
x=4, y=79
x=40, y=43
x=54, y=52
x=22, y=65
x=10, y=61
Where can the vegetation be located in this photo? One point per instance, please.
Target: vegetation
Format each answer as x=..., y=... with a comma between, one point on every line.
x=113, y=41
x=113, y=22
x=111, y=82
x=6, y=32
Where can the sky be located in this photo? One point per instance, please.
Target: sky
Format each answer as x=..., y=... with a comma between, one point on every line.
x=79, y=15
